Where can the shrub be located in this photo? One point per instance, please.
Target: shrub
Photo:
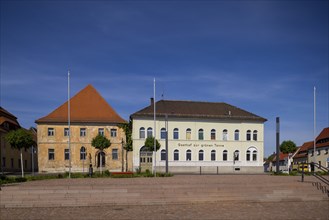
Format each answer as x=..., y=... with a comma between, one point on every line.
x=20, y=179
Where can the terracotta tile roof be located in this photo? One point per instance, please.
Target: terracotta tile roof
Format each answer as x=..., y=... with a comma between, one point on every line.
x=6, y=116
x=323, y=135
x=282, y=156
x=86, y=106
x=194, y=109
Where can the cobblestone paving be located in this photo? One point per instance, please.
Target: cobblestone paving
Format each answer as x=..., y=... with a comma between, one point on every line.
x=221, y=197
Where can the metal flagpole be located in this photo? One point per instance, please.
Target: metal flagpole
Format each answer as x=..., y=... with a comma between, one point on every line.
x=314, y=128
x=69, y=118
x=154, y=127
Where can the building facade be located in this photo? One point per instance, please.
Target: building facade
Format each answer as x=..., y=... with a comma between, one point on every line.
x=10, y=158
x=202, y=137
x=90, y=115
x=321, y=156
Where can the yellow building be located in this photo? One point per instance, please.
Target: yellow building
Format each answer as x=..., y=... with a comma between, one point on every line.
x=10, y=158
x=90, y=115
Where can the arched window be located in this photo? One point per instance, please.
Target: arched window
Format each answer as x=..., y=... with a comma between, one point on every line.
x=200, y=134
x=200, y=155
x=248, y=135
x=142, y=133
x=236, y=155
x=188, y=134
x=213, y=134
x=149, y=132
x=188, y=155
x=225, y=136
x=176, y=154
x=163, y=133
x=163, y=154
x=176, y=134
x=82, y=153
x=254, y=136
x=248, y=155
x=213, y=155
x=225, y=155
x=236, y=135
x=254, y=155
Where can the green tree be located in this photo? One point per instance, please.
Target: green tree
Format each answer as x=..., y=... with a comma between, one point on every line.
x=19, y=139
x=100, y=142
x=288, y=147
x=149, y=144
x=128, y=145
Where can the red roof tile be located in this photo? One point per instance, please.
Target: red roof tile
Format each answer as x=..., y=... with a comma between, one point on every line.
x=86, y=106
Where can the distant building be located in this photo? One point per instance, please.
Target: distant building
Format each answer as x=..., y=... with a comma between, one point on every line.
x=90, y=115
x=10, y=158
x=202, y=137
x=302, y=156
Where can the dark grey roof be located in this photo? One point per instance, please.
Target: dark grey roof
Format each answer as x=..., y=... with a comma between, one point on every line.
x=194, y=109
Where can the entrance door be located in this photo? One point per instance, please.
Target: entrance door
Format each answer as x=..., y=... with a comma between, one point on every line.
x=101, y=157
x=145, y=159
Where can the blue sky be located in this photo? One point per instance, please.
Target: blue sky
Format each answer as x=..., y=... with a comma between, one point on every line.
x=262, y=56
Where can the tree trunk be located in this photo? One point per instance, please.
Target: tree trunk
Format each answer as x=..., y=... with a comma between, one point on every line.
x=22, y=163
x=127, y=160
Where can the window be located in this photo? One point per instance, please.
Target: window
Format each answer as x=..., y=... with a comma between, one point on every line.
x=254, y=136
x=319, y=152
x=25, y=164
x=3, y=162
x=248, y=135
x=312, y=153
x=51, y=154
x=82, y=132
x=19, y=163
x=163, y=154
x=213, y=155
x=248, y=155
x=82, y=153
x=12, y=162
x=326, y=151
x=188, y=134
x=200, y=155
x=188, y=155
x=101, y=131
x=113, y=132
x=163, y=133
x=115, y=154
x=66, y=132
x=213, y=134
x=142, y=133
x=200, y=134
x=176, y=155
x=225, y=135
x=236, y=135
x=225, y=155
x=66, y=154
x=149, y=132
x=254, y=155
x=236, y=155
x=176, y=133
x=51, y=131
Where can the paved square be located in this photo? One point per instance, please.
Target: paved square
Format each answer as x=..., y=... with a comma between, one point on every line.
x=177, y=197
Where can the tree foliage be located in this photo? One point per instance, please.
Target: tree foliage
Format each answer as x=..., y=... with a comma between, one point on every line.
x=127, y=128
x=20, y=138
x=288, y=147
x=149, y=144
x=100, y=142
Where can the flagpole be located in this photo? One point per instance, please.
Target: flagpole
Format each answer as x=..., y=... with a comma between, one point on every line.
x=154, y=128
x=314, y=128
x=69, y=119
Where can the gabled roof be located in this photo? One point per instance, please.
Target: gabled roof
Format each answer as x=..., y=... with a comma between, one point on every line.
x=6, y=116
x=323, y=135
x=195, y=109
x=87, y=106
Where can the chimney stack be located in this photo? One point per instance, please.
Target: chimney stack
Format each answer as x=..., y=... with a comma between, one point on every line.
x=152, y=101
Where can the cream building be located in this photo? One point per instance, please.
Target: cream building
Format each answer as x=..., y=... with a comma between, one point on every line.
x=90, y=115
x=321, y=156
x=202, y=136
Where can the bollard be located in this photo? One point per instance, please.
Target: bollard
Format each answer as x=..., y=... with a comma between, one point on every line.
x=200, y=170
x=217, y=170
x=302, y=172
x=90, y=170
